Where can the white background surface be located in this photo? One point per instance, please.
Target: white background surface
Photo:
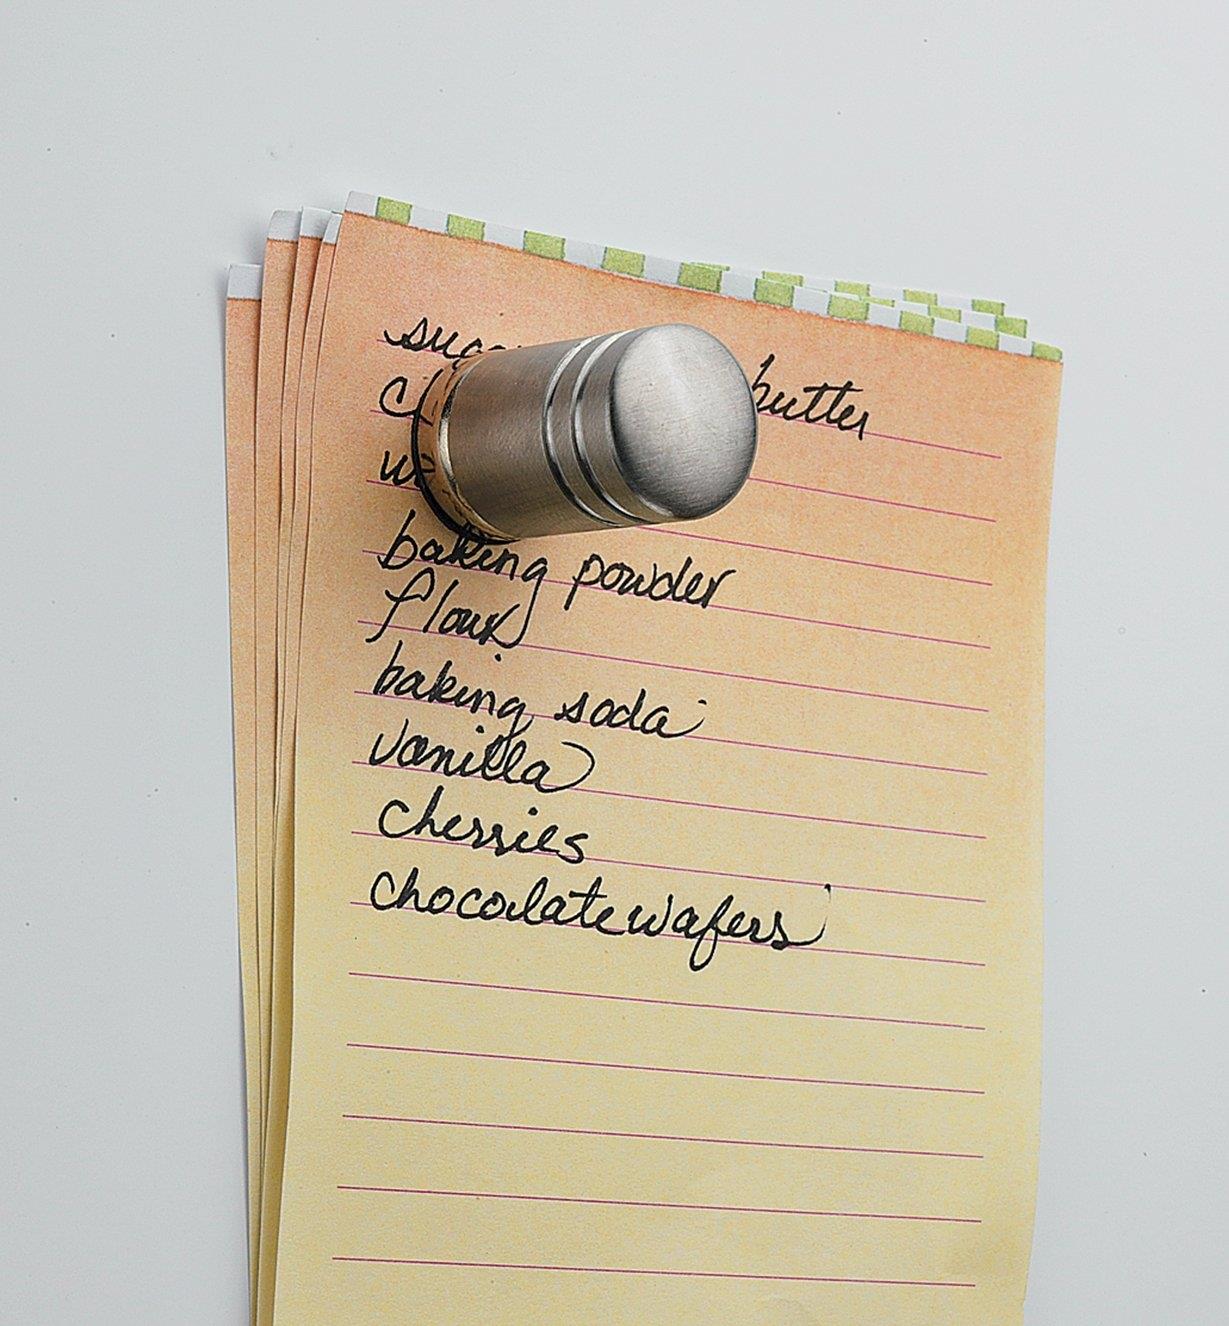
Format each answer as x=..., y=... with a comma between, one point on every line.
x=1072, y=163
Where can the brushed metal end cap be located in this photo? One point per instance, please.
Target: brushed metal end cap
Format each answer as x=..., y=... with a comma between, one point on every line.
x=666, y=423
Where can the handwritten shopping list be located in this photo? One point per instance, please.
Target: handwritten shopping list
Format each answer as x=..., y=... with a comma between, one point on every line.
x=666, y=902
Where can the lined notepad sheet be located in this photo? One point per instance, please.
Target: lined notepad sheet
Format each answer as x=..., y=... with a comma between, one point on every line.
x=609, y=954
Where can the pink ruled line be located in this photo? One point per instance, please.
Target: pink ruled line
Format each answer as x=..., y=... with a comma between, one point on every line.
x=882, y=437
x=749, y=745
x=715, y=672
x=784, y=814
x=836, y=626
x=749, y=612
x=663, y=1003
x=665, y=1137
x=853, y=497
x=673, y=1069
x=642, y=1270
x=716, y=805
x=817, y=951
x=831, y=754
x=412, y=486
x=934, y=446
x=815, y=556
x=798, y=487
x=657, y=1206
x=785, y=879
x=742, y=676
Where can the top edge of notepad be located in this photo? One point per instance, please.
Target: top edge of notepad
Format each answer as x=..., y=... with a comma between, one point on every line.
x=971, y=321
x=243, y=281
x=313, y=222
x=284, y=224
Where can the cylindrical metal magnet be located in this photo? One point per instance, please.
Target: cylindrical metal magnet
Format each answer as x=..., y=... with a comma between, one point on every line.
x=632, y=428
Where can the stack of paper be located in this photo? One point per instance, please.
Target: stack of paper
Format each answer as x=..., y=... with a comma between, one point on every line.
x=481, y=1088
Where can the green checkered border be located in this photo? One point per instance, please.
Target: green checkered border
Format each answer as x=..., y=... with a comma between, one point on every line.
x=979, y=322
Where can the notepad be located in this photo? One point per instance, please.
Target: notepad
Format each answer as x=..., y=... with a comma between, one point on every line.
x=609, y=954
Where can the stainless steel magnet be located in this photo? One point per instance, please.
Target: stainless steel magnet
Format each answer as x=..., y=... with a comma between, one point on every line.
x=631, y=428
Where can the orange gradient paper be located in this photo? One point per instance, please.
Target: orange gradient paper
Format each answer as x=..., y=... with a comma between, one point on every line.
x=807, y=1089
x=242, y=342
